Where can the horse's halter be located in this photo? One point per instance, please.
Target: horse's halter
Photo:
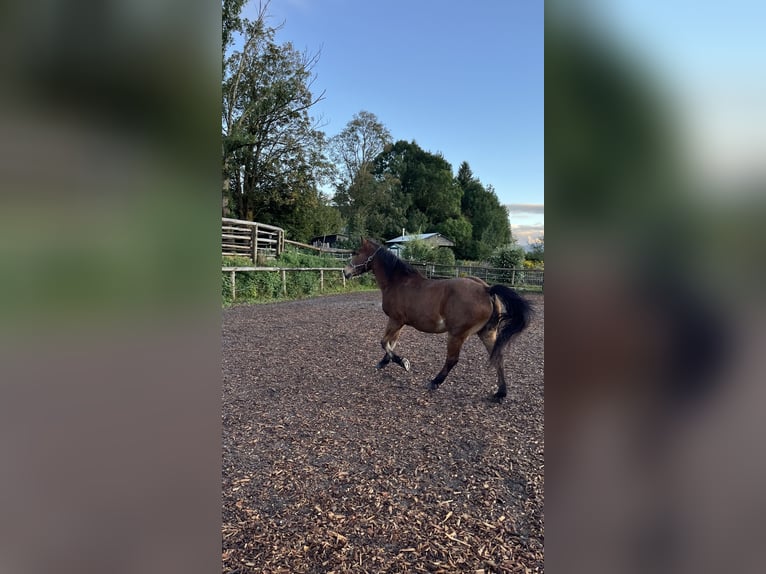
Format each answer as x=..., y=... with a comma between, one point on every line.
x=366, y=263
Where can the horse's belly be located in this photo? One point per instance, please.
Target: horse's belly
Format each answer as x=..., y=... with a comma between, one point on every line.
x=435, y=325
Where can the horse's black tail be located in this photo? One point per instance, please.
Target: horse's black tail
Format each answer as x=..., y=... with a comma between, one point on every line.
x=511, y=321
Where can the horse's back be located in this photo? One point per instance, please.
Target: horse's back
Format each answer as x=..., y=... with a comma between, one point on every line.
x=466, y=301
x=478, y=280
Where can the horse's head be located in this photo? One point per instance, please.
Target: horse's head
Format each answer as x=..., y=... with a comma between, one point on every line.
x=361, y=260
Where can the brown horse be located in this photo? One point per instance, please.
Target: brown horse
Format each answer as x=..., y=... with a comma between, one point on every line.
x=461, y=307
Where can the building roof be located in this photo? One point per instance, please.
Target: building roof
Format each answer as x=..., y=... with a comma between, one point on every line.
x=403, y=238
x=421, y=236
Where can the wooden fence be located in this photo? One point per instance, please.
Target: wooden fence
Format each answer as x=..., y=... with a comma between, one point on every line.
x=524, y=279
x=251, y=239
x=326, y=251
x=530, y=279
x=283, y=270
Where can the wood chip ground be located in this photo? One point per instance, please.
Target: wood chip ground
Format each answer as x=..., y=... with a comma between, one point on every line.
x=330, y=465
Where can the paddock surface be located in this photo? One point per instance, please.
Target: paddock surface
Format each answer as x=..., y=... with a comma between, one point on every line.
x=330, y=465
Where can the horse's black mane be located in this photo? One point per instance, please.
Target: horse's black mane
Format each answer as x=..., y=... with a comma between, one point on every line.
x=392, y=265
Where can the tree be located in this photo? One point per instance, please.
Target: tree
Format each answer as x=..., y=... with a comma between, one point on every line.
x=537, y=253
x=366, y=203
x=273, y=152
x=231, y=21
x=458, y=229
x=355, y=148
x=488, y=217
x=311, y=217
x=426, y=179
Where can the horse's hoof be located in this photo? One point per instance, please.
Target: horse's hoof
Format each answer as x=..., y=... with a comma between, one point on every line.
x=433, y=386
x=380, y=365
x=405, y=364
x=498, y=397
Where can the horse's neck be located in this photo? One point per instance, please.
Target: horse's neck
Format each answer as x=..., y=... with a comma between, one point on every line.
x=386, y=283
x=380, y=276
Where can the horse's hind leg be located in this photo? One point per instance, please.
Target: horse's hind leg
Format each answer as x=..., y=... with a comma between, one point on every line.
x=390, y=337
x=454, y=344
x=488, y=337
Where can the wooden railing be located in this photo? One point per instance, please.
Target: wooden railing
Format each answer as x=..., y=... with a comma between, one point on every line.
x=329, y=251
x=283, y=270
x=532, y=279
x=251, y=239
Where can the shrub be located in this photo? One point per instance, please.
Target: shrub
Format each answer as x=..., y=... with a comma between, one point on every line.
x=419, y=250
x=507, y=256
x=236, y=261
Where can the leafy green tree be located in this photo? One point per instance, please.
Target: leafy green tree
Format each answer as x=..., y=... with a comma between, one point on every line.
x=367, y=203
x=353, y=151
x=273, y=152
x=426, y=179
x=310, y=217
x=537, y=253
x=231, y=21
x=380, y=208
x=458, y=229
x=488, y=217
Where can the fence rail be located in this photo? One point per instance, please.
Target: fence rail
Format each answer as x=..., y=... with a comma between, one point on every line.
x=515, y=277
x=531, y=279
x=251, y=239
x=329, y=251
x=283, y=270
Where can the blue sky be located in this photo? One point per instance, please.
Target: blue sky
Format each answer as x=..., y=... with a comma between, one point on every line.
x=463, y=79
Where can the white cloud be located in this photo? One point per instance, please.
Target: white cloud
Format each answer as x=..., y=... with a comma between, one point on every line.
x=527, y=221
x=523, y=208
x=527, y=234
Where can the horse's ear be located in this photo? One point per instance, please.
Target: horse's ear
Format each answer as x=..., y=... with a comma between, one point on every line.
x=362, y=240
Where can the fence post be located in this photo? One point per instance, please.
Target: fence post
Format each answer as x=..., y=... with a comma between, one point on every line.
x=344, y=279
x=513, y=277
x=284, y=282
x=233, y=284
x=321, y=280
x=255, y=244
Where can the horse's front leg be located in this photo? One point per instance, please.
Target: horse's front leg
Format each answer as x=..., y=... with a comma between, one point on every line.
x=454, y=344
x=390, y=337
